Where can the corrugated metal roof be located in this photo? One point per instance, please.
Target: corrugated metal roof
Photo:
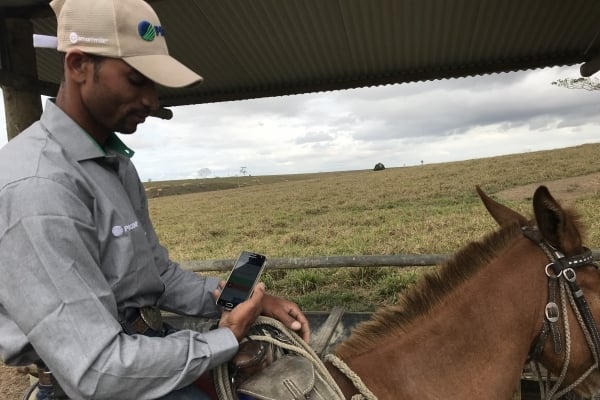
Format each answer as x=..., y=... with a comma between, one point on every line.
x=247, y=49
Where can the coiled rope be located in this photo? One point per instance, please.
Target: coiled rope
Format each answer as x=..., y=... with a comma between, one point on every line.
x=295, y=344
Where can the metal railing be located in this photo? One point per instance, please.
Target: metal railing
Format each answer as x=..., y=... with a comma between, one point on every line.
x=396, y=260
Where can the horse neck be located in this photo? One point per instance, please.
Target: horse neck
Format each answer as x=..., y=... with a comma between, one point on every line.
x=473, y=344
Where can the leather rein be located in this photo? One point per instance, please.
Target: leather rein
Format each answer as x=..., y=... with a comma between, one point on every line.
x=562, y=286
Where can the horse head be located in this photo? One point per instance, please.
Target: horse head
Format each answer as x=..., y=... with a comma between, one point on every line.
x=568, y=345
x=528, y=290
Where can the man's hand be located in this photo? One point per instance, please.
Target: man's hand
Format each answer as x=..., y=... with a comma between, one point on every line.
x=244, y=314
x=288, y=313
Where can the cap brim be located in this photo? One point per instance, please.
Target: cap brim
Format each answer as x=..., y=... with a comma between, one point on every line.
x=164, y=70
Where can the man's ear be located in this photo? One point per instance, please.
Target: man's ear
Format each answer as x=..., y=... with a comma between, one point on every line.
x=77, y=66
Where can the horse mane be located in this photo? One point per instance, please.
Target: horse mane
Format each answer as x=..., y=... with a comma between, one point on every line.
x=429, y=290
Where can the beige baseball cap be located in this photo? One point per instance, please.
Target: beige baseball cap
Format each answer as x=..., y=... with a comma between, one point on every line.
x=125, y=29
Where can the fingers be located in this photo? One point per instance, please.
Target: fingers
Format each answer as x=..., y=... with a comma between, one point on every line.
x=296, y=321
x=299, y=323
x=258, y=294
x=288, y=313
x=244, y=314
x=217, y=291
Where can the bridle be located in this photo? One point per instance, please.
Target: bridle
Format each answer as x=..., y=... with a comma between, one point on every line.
x=562, y=285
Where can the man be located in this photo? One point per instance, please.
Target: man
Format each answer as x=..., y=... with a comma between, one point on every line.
x=82, y=272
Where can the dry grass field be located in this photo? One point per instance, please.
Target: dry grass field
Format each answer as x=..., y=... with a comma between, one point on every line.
x=411, y=210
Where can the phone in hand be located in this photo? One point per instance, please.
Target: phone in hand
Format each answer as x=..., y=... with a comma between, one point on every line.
x=243, y=278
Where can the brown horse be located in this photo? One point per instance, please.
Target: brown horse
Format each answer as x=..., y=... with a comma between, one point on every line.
x=466, y=330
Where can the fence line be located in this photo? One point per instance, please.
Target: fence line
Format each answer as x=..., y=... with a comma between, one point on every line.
x=397, y=260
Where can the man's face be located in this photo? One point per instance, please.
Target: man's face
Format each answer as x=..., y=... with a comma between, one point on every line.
x=117, y=97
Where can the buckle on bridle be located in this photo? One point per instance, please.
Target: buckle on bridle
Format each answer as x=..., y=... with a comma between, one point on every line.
x=569, y=274
x=552, y=313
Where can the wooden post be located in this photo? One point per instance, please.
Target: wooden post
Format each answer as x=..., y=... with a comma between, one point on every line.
x=22, y=106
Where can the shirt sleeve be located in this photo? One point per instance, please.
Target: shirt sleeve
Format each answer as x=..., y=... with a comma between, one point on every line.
x=54, y=291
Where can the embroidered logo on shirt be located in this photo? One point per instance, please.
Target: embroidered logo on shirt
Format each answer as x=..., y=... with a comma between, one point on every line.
x=119, y=230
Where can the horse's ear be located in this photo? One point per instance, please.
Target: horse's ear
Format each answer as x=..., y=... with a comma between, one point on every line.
x=503, y=215
x=555, y=225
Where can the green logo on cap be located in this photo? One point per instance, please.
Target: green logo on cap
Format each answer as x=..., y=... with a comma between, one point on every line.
x=146, y=31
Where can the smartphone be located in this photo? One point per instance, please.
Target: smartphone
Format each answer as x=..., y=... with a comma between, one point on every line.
x=243, y=278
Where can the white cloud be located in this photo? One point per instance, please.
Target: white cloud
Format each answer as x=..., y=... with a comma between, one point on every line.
x=397, y=125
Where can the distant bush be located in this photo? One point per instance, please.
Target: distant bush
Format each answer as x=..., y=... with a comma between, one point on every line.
x=379, y=167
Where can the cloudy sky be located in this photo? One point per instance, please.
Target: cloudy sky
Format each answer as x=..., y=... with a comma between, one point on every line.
x=397, y=125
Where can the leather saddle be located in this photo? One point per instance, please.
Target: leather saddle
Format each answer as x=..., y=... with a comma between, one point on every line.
x=276, y=369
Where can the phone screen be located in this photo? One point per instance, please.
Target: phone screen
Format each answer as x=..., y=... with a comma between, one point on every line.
x=242, y=279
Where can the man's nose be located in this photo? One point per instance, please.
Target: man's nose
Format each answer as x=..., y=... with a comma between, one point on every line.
x=150, y=97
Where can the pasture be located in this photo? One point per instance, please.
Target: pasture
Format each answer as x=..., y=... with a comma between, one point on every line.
x=410, y=210
x=425, y=209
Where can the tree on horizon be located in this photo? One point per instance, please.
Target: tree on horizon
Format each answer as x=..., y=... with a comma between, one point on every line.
x=578, y=83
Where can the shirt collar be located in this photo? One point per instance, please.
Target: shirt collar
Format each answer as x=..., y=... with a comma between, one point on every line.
x=77, y=143
x=117, y=145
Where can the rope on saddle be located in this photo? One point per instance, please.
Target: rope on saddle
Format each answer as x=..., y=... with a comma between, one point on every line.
x=365, y=393
x=289, y=341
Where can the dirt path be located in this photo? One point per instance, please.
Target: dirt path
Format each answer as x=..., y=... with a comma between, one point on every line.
x=564, y=190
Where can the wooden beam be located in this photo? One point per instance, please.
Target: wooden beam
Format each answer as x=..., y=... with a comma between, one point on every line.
x=22, y=3
x=322, y=338
x=22, y=105
x=25, y=9
x=396, y=260
x=17, y=80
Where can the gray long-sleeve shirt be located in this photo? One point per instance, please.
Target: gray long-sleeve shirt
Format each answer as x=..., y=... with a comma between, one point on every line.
x=77, y=248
